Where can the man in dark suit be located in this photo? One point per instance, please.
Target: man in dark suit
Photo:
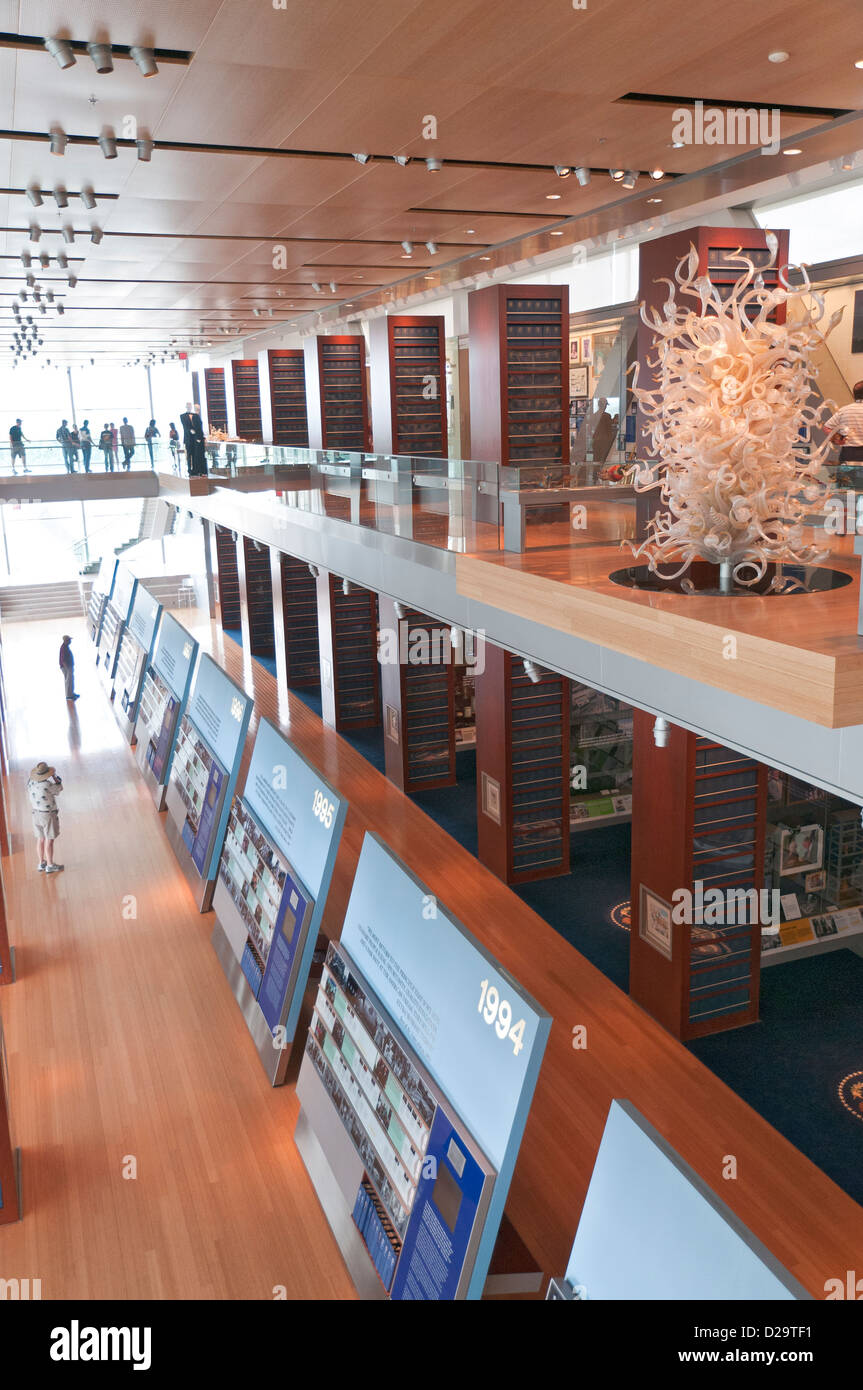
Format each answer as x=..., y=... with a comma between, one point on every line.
x=193, y=440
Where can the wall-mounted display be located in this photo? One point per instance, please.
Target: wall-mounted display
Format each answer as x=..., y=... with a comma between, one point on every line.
x=100, y=593
x=135, y=646
x=163, y=697
x=203, y=774
x=579, y=381
x=654, y=922
x=115, y=616
x=421, y=1060
x=601, y=758
x=800, y=849
x=274, y=873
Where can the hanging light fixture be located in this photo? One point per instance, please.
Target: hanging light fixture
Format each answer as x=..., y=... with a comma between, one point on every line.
x=582, y=173
x=362, y=158
x=108, y=145
x=629, y=179
x=62, y=260
x=316, y=287
x=61, y=52
x=563, y=171
x=408, y=247
x=69, y=235
x=95, y=235
x=61, y=197
x=434, y=166
x=73, y=280
x=145, y=148
x=26, y=259
x=101, y=55
x=44, y=260
x=88, y=197
x=35, y=195
x=145, y=60
x=401, y=159
x=58, y=141
x=35, y=231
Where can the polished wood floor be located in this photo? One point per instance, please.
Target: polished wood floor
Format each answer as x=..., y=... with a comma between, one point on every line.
x=124, y=1040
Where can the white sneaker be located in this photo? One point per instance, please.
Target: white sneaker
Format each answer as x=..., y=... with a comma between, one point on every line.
x=54, y=869
x=43, y=866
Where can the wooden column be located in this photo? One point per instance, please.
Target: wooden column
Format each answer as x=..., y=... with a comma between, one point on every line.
x=256, y=597
x=418, y=689
x=522, y=767
x=698, y=814
x=295, y=598
x=348, y=642
x=229, y=578
x=8, y=1175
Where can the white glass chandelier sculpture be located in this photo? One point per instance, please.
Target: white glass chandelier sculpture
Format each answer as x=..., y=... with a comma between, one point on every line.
x=730, y=423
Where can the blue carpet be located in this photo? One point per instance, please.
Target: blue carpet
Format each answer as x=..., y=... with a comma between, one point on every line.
x=790, y=1065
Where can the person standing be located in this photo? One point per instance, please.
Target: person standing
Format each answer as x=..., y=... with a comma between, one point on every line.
x=115, y=443
x=151, y=433
x=62, y=436
x=174, y=445
x=106, y=444
x=43, y=788
x=127, y=439
x=193, y=438
x=67, y=666
x=74, y=446
x=86, y=444
x=17, y=439
x=846, y=427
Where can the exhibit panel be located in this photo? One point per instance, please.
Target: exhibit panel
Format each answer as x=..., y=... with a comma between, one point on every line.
x=274, y=873
x=163, y=699
x=203, y=774
x=114, y=619
x=100, y=593
x=136, y=644
x=420, y=1065
x=651, y=1228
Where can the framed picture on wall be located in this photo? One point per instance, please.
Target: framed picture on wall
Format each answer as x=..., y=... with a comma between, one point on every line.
x=801, y=849
x=654, y=922
x=578, y=381
x=574, y=350
x=587, y=349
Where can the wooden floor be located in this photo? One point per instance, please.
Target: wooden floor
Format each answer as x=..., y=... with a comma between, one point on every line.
x=124, y=1039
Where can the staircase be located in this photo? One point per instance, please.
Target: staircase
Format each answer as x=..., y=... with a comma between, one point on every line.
x=32, y=602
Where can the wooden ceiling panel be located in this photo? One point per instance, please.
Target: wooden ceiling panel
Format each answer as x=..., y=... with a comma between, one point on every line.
x=250, y=219
x=328, y=37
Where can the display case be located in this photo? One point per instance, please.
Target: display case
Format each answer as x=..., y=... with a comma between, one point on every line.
x=408, y=356
x=288, y=397
x=247, y=399
x=519, y=382
x=217, y=403
x=601, y=759
x=336, y=392
x=418, y=687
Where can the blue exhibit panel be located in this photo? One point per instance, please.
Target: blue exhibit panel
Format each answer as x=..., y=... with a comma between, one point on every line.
x=107, y=573
x=651, y=1228
x=144, y=617
x=123, y=594
x=219, y=711
x=478, y=1033
x=174, y=655
x=444, y=1215
x=159, y=753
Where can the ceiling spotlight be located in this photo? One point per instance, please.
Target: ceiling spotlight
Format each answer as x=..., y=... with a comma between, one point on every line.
x=582, y=173
x=617, y=174
x=42, y=309
x=676, y=144
x=73, y=280
x=31, y=280
x=35, y=231
x=793, y=151
x=314, y=571
x=431, y=247
x=434, y=166
x=401, y=159
x=60, y=309
x=145, y=148
x=26, y=259
x=654, y=200
x=316, y=287
x=347, y=587
x=95, y=235
x=35, y=196
x=533, y=672
x=108, y=145
x=69, y=235
x=62, y=260
x=779, y=56
x=22, y=295
x=61, y=52
x=657, y=174
x=44, y=260
x=333, y=288
x=400, y=611
x=563, y=171
x=847, y=161
x=101, y=55
x=37, y=295
x=629, y=179
x=256, y=313
x=88, y=197
x=362, y=158
x=49, y=295
x=145, y=60
x=408, y=247
x=61, y=197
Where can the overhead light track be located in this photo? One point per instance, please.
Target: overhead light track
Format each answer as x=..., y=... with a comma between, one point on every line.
x=36, y=43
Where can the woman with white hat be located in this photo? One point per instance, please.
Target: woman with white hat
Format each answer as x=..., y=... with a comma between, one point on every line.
x=43, y=788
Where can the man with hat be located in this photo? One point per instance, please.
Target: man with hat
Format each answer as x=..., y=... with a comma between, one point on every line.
x=43, y=788
x=67, y=666
x=847, y=431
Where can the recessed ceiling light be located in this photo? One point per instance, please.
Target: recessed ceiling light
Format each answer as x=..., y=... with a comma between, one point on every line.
x=794, y=151
x=779, y=56
x=428, y=277
x=557, y=233
x=654, y=200
x=859, y=63
x=563, y=171
x=675, y=144
x=657, y=174
x=552, y=195
x=470, y=231
x=485, y=258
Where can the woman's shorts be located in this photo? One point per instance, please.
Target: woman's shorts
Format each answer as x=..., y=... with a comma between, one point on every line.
x=46, y=825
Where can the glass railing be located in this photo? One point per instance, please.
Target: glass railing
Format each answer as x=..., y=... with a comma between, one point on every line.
x=47, y=456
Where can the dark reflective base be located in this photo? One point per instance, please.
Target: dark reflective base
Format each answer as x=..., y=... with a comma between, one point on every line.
x=703, y=579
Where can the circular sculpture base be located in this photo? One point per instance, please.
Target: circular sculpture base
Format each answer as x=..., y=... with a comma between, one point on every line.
x=702, y=580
